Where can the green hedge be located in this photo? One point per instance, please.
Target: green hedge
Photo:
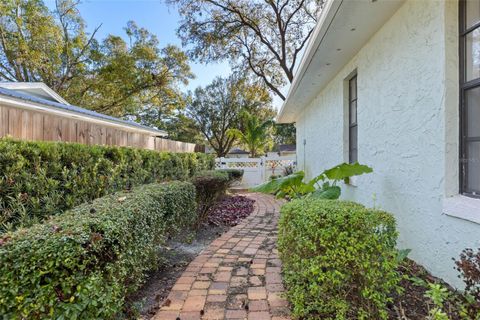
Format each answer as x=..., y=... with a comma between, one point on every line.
x=339, y=259
x=233, y=174
x=81, y=264
x=209, y=186
x=38, y=179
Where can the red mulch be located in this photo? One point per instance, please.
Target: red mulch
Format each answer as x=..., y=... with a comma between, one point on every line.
x=230, y=210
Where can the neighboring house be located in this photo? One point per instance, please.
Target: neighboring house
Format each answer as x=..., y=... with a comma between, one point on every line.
x=33, y=111
x=396, y=85
x=283, y=150
x=237, y=153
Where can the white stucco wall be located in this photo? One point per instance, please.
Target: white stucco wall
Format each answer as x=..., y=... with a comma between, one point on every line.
x=407, y=130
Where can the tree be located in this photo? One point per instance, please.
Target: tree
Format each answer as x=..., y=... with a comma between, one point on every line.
x=37, y=45
x=216, y=108
x=134, y=77
x=109, y=76
x=267, y=37
x=256, y=135
x=178, y=125
x=284, y=133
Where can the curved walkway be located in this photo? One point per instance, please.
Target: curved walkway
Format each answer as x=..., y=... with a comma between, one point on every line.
x=237, y=276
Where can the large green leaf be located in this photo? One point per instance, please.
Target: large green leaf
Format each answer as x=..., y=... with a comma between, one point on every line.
x=314, y=181
x=346, y=170
x=275, y=185
x=304, y=188
x=330, y=193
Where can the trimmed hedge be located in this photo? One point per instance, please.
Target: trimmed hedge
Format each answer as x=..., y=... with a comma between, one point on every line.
x=81, y=264
x=209, y=186
x=233, y=174
x=39, y=179
x=339, y=259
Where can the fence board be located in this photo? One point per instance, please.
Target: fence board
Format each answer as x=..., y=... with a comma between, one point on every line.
x=37, y=127
x=82, y=132
x=57, y=129
x=3, y=121
x=15, y=122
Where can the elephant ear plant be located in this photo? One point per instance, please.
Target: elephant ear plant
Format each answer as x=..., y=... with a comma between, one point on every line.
x=323, y=186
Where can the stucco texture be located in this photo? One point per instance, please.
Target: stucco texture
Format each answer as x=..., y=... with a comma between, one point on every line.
x=407, y=130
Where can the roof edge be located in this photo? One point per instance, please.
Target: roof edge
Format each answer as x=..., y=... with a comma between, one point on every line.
x=23, y=102
x=34, y=85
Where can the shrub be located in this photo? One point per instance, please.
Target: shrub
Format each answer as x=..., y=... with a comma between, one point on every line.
x=468, y=265
x=81, y=264
x=209, y=186
x=233, y=174
x=339, y=259
x=43, y=178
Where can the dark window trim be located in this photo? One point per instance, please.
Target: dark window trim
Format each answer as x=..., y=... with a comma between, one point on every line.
x=464, y=87
x=352, y=125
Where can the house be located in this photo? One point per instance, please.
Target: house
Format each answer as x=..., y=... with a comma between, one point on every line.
x=237, y=153
x=396, y=85
x=33, y=111
x=283, y=150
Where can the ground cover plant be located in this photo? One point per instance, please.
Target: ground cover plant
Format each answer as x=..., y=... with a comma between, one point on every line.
x=81, y=264
x=230, y=210
x=46, y=178
x=323, y=186
x=339, y=259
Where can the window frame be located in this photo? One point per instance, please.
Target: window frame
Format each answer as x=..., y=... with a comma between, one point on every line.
x=352, y=125
x=465, y=86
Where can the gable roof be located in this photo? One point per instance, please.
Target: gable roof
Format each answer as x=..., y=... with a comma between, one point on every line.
x=342, y=30
x=36, y=89
x=26, y=101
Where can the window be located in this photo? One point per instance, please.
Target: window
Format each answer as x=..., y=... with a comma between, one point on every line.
x=470, y=97
x=352, y=120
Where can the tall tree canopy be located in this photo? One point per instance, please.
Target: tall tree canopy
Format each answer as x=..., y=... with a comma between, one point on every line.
x=266, y=37
x=109, y=76
x=217, y=108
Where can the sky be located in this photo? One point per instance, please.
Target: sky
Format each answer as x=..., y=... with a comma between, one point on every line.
x=155, y=16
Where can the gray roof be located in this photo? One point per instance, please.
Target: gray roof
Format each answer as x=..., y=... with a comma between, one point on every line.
x=237, y=151
x=287, y=147
x=74, y=109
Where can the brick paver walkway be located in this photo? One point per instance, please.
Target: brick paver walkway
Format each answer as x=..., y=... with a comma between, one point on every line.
x=237, y=276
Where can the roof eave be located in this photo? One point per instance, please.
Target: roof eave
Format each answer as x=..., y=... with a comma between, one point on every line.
x=343, y=29
x=326, y=17
x=29, y=105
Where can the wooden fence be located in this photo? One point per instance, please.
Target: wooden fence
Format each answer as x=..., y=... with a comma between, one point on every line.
x=32, y=125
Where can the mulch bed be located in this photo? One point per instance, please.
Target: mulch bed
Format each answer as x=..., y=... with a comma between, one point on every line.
x=412, y=304
x=230, y=210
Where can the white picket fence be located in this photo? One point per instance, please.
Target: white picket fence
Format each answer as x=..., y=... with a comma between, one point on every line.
x=257, y=170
